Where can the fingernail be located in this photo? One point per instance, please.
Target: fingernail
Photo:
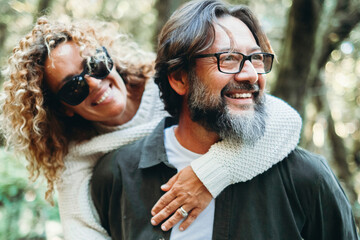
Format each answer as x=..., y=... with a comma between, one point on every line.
x=153, y=222
x=153, y=213
x=181, y=229
x=164, y=186
x=163, y=228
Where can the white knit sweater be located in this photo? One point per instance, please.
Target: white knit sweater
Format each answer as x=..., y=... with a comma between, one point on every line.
x=225, y=163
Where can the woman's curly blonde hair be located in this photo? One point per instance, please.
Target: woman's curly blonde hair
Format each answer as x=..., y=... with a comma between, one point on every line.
x=31, y=120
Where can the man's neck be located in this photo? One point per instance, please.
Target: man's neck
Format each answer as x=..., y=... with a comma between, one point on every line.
x=193, y=136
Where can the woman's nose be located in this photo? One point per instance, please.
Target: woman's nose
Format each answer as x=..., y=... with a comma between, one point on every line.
x=92, y=82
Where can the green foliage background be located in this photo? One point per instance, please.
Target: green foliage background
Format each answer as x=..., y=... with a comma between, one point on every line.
x=23, y=212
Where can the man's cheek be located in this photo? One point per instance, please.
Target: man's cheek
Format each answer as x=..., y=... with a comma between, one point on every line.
x=262, y=82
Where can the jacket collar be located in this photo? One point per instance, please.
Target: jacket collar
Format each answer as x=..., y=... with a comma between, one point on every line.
x=153, y=150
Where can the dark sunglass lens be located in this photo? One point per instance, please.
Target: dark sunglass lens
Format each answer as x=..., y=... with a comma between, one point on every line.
x=100, y=67
x=74, y=91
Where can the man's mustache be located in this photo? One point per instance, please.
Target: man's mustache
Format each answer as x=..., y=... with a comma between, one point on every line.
x=231, y=86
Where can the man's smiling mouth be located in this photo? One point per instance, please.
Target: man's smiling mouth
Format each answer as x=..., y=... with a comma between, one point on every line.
x=239, y=95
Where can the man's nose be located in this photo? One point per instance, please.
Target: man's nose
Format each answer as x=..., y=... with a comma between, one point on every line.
x=92, y=82
x=247, y=73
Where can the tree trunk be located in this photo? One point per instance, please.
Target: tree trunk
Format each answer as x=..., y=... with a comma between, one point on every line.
x=338, y=149
x=3, y=34
x=344, y=19
x=164, y=8
x=301, y=63
x=298, y=51
x=244, y=2
x=43, y=7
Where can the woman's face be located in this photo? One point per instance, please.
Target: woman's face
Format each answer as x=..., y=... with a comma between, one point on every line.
x=106, y=101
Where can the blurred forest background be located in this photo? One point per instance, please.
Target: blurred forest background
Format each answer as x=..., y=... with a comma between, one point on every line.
x=317, y=43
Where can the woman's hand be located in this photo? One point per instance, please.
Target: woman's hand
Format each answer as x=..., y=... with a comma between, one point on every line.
x=183, y=190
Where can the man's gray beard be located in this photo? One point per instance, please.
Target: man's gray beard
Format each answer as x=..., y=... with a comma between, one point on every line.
x=212, y=112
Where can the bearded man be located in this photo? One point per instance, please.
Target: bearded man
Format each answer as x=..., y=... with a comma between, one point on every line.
x=210, y=68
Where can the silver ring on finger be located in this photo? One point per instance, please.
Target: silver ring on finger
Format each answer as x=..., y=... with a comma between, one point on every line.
x=183, y=212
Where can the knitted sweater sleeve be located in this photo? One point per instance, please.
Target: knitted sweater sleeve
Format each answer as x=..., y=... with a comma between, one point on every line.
x=230, y=162
x=79, y=218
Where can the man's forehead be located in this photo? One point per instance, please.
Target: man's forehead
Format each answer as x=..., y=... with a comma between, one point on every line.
x=232, y=33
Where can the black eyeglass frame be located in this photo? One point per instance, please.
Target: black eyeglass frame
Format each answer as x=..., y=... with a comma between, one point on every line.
x=81, y=79
x=245, y=57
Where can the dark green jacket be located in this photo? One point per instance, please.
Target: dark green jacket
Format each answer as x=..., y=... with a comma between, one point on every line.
x=298, y=198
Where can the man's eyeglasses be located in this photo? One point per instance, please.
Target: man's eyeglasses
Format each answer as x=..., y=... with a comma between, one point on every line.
x=233, y=62
x=77, y=89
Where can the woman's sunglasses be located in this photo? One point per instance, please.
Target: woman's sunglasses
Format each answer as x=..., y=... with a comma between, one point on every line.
x=77, y=89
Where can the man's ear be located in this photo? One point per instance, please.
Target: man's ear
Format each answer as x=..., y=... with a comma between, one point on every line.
x=179, y=82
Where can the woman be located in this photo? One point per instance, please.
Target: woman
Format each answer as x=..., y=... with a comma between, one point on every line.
x=75, y=91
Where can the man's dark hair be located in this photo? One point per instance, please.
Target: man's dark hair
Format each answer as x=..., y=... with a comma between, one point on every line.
x=189, y=31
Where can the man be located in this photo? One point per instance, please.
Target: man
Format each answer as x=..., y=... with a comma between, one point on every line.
x=210, y=65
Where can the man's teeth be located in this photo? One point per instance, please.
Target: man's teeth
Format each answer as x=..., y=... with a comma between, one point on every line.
x=240, y=95
x=104, y=96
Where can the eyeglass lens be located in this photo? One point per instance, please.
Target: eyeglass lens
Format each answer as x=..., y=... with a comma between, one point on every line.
x=233, y=62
